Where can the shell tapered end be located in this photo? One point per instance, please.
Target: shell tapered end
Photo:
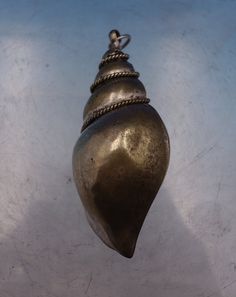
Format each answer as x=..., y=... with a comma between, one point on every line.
x=124, y=243
x=127, y=248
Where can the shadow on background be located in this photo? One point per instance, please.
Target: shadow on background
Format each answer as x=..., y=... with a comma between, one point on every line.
x=43, y=257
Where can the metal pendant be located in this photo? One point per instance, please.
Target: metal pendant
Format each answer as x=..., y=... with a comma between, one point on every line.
x=122, y=155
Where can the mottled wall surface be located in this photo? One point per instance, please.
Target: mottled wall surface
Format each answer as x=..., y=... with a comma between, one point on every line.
x=49, y=54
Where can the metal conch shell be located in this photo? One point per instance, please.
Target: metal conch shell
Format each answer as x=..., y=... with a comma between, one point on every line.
x=122, y=155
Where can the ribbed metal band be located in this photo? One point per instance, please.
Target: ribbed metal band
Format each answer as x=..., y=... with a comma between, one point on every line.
x=112, y=76
x=113, y=57
x=101, y=111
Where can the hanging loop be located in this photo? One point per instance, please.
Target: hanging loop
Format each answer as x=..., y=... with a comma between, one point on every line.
x=117, y=41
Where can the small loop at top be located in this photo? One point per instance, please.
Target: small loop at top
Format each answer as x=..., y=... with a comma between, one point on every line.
x=126, y=38
x=120, y=42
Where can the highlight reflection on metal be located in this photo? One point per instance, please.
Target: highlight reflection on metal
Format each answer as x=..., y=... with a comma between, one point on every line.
x=122, y=155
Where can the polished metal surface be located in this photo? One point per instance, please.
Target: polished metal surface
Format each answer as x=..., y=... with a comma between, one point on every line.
x=122, y=156
x=185, y=52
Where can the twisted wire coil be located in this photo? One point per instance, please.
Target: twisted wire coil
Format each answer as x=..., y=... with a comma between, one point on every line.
x=113, y=57
x=112, y=76
x=107, y=108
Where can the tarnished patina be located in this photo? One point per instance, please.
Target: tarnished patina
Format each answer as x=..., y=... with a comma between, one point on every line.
x=122, y=155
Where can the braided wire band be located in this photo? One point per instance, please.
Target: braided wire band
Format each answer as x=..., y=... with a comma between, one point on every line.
x=113, y=57
x=107, y=108
x=112, y=76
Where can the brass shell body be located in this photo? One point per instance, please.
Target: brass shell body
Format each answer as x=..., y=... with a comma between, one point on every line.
x=122, y=155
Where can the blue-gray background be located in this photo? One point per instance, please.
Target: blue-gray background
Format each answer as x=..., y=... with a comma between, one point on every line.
x=49, y=54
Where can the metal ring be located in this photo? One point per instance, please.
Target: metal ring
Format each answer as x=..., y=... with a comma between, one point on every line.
x=127, y=38
x=116, y=44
